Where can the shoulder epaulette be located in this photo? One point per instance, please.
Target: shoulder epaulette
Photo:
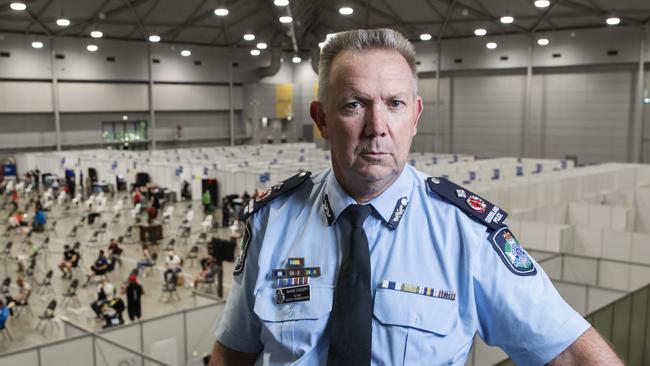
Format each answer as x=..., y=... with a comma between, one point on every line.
x=474, y=206
x=271, y=193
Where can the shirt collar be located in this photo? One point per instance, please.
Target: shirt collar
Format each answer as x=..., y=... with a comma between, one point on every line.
x=390, y=205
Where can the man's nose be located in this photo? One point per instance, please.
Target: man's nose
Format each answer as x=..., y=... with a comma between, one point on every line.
x=376, y=121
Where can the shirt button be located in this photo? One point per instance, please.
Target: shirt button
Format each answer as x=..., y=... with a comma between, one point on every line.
x=290, y=310
x=417, y=319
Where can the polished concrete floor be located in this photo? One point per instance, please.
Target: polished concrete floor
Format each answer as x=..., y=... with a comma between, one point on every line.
x=23, y=326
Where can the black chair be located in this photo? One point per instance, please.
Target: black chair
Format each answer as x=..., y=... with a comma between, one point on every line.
x=116, y=218
x=73, y=232
x=46, y=244
x=171, y=244
x=202, y=239
x=102, y=228
x=48, y=317
x=5, y=287
x=71, y=294
x=23, y=306
x=128, y=234
x=93, y=239
x=6, y=252
x=46, y=283
x=154, y=259
x=193, y=255
x=53, y=226
x=169, y=288
x=209, y=281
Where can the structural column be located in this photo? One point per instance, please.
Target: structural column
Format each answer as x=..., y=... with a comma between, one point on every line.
x=436, y=122
x=231, y=118
x=636, y=133
x=152, y=113
x=55, y=95
x=527, y=101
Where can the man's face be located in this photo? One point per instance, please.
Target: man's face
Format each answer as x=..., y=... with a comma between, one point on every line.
x=370, y=115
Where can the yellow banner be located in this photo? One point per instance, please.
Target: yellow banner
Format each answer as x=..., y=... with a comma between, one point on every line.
x=283, y=100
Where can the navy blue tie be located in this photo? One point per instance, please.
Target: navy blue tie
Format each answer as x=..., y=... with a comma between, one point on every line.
x=350, y=323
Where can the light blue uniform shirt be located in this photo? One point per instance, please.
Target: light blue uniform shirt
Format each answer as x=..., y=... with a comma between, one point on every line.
x=430, y=243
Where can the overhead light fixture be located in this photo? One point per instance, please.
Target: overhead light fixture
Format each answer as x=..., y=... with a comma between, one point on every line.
x=125, y=118
x=249, y=37
x=613, y=20
x=346, y=10
x=480, y=32
x=425, y=36
x=542, y=3
x=646, y=100
x=221, y=12
x=255, y=52
x=92, y=48
x=507, y=19
x=491, y=45
x=96, y=34
x=186, y=53
x=281, y=2
x=542, y=41
x=286, y=19
x=37, y=44
x=262, y=45
x=154, y=38
x=296, y=60
x=321, y=44
x=17, y=6
x=63, y=22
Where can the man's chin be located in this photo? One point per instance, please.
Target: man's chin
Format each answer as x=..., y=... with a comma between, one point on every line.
x=374, y=173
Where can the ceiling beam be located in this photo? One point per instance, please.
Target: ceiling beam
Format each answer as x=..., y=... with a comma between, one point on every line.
x=597, y=11
x=143, y=18
x=544, y=16
x=188, y=20
x=443, y=29
x=36, y=20
x=107, y=15
x=40, y=13
x=176, y=30
x=440, y=15
x=137, y=20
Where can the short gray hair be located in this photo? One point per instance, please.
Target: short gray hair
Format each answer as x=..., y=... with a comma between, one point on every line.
x=363, y=40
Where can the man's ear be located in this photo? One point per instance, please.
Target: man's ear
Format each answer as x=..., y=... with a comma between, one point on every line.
x=317, y=113
x=419, y=106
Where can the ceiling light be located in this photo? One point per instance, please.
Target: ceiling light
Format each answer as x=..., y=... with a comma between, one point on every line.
x=18, y=6
x=296, y=59
x=249, y=37
x=286, y=19
x=125, y=118
x=646, y=100
x=221, y=12
x=542, y=41
x=37, y=44
x=507, y=19
x=154, y=38
x=262, y=45
x=321, y=44
x=425, y=36
x=255, y=52
x=491, y=45
x=542, y=3
x=480, y=32
x=346, y=10
x=96, y=34
x=613, y=20
x=92, y=48
x=281, y=2
x=63, y=22
x=186, y=53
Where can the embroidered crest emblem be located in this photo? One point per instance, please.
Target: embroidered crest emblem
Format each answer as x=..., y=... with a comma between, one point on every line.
x=476, y=204
x=512, y=253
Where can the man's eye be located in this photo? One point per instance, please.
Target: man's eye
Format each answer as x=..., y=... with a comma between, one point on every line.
x=396, y=103
x=352, y=105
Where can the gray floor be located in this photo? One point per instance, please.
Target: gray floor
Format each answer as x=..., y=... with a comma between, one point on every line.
x=23, y=327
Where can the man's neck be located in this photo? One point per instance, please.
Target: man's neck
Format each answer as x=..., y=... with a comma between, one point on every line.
x=362, y=190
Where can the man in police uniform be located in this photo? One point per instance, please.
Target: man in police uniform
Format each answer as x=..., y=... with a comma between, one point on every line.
x=440, y=264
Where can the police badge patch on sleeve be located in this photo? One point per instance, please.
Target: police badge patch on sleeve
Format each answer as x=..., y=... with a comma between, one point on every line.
x=512, y=253
x=245, y=241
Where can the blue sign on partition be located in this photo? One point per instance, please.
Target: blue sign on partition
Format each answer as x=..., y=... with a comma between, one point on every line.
x=205, y=172
x=265, y=177
x=62, y=161
x=9, y=170
x=114, y=165
x=472, y=175
x=135, y=165
x=495, y=174
x=538, y=168
x=520, y=171
x=455, y=158
x=564, y=164
x=435, y=160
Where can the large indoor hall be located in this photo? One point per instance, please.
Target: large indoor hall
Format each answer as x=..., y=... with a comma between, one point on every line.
x=318, y=182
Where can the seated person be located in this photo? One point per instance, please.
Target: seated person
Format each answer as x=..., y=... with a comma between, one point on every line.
x=105, y=293
x=4, y=314
x=70, y=261
x=92, y=214
x=17, y=220
x=209, y=269
x=173, y=267
x=112, y=312
x=100, y=267
x=115, y=252
x=39, y=220
x=21, y=299
x=146, y=260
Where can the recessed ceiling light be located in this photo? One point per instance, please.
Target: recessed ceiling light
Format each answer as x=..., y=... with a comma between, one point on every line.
x=286, y=19
x=425, y=36
x=613, y=20
x=221, y=12
x=542, y=41
x=154, y=38
x=491, y=45
x=96, y=34
x=62, y=22
x=296, y=60
x=321, y=44
x=37, y=44
x=255, y=52
x=186, y=53
x=281, y=2
x=542, y=3
x=346, y=10
x=480, y=32
x=18, y=6
x=249, y=37
x=125, y=118
x=92, y=48
x=262, y=45
x=507, y=19
x=646, y=100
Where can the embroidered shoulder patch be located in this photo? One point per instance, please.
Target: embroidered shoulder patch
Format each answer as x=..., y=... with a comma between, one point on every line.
x=245, y=241
x=512, y=253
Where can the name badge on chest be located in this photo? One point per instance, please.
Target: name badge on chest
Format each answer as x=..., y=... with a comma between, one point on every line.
x=287, y=295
